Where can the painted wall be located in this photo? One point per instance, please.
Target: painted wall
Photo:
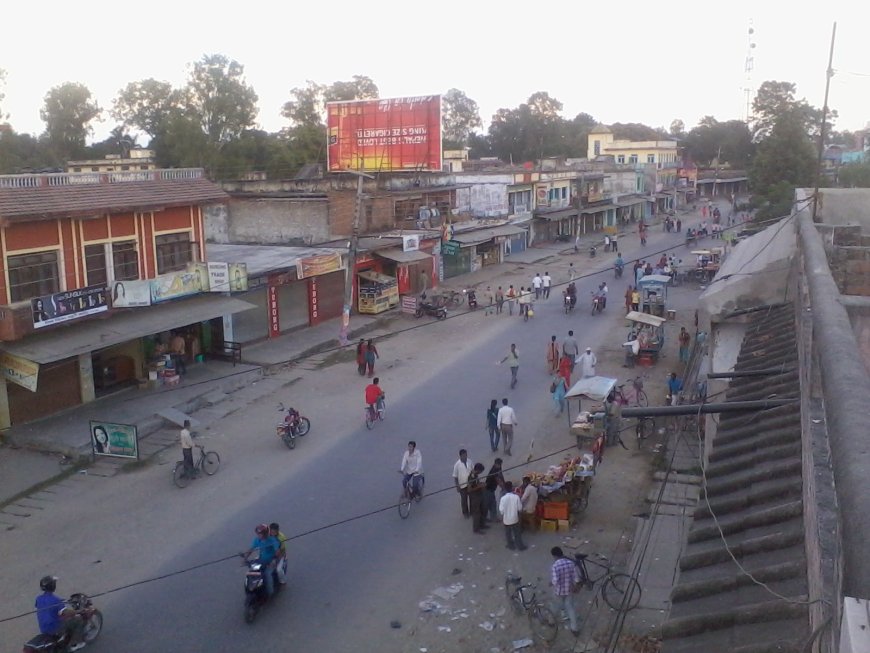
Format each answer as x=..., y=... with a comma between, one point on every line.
x=268, y=221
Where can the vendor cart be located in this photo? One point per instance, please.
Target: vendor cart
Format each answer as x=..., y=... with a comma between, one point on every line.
x=654, y=293
x=590, y=425
x=708, y=263
x=649, y=332
x=563, y=491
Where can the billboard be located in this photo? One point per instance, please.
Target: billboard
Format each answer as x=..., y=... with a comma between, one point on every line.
x=390, y=134
x=68, y=305
x=110, y=439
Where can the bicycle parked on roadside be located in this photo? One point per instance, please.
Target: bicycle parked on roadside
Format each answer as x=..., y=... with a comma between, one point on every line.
x=619, y=591
x=524, y=598
x=208, y=461
x=638, y=397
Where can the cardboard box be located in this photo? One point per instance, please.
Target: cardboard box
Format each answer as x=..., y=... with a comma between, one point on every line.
x=564, y=525
x=555, y=510
x=549, y=525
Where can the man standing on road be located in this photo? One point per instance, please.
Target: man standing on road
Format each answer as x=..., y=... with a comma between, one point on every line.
x=529, y=500
x=552, y=356
x=494, y=482
x=461, y=469
x=513, y=360
x=475, y=499
x=509, y=507
x=507, y=419
x=537, y=282
x=564, y=577
x=548, y=281
x=587, y=362
x=570, y=349
x=572, y=273
x=685, y=339
x=187, y=449
x=613, y=246
x=511, y=298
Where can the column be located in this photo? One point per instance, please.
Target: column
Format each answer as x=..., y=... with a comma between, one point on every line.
x=5, y=417
x=86, y=378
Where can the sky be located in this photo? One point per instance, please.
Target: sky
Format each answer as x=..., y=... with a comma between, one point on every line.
x=643, y=62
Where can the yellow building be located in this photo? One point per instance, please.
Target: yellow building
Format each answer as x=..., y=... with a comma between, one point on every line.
x=602, y=143
x=139, y=159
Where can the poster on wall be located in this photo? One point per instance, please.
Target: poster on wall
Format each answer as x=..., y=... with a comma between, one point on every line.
x=313, y=266
x=238, y=277
x=68, y=305
x=110, y=439
x=19, y=370
x=126, y=294
x=175, y=284
x=410, y=243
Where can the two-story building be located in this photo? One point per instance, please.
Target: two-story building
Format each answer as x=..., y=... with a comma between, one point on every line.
x=98, y=268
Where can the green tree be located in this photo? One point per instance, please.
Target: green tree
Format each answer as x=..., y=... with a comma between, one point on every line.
x=219, y=99
x=183, y=143
x=678, y=128
x=634, y=131
x=359, y=87
x=306, y=105
x=118, y=142
x=774, y=99
x=460, y=115
x=724, y=142
x=531, y=131
x=68, y=112
x=855, y=175
x=23, y=152
x=146, y=105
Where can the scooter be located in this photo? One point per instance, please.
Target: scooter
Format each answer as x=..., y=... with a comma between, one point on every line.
x=428, y=308
x=592, y=252
x=255, y=585
x=617, y=271
x=85, y=610
x=472, y=298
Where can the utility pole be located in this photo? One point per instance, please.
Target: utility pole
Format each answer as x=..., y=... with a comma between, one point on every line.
x=823, y=129
x=350, y=273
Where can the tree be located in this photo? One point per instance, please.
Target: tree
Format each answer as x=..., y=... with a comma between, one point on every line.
x=460, y=115
x=219, y=99
x=678, y=128
x=146, y=105
x=119, y=142
x=23, y=152
x=774, y=99
x=68, y=113
x=724, y=142
x=634, y=131
x=306, y=105
x=855, y=175
x=577, y=135
x=359, y=87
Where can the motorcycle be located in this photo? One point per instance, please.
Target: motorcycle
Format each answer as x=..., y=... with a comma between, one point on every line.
x=570, y=302
x=597, y=306
x=617, y=271
x=592, y=252
x=472, y=298
x=85, y=610
x=293, y=426
x=255, y=586
x=428, y=308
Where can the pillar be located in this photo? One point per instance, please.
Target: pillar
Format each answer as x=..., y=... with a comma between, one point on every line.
x=86, y=378
x=5, y=417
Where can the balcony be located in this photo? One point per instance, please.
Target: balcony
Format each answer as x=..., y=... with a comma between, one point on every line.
x=55, y=179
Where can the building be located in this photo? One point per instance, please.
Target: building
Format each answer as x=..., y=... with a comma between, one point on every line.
x=98, y=269
x=602, y=143
x=138, y=159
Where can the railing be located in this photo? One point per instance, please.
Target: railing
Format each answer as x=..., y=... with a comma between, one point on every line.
x=55, y=179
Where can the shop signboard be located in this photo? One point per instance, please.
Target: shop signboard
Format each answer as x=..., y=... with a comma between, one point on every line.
x=118, y=440
x=19, y=370
x=226, y=277
x=410, y=243
x=126, y=294
x=451, y=247
x=174, y=285
x=314, y=266
x=385, y=135
x=68, y=305
x=274, y=316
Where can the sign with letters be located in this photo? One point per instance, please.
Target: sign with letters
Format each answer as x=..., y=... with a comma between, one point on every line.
x=68, y=305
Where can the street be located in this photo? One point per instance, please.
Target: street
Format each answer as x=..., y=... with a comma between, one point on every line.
x=362, y=567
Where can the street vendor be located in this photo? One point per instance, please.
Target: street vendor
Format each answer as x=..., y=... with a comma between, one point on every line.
x=612, y=418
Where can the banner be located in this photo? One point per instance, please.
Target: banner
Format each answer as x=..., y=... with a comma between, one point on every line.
x=385, y=135
x=410, y=243
x=19, y=370
x=126, y=294
x=119, y=440
x=68, y=305
x=175, y=284
x=238, y=277
x=313, y=266
x=226, y=277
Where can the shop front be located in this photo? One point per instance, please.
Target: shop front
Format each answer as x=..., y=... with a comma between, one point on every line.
x=594, y=218
x=552, y=225
x=414, y=270
x=457, y=257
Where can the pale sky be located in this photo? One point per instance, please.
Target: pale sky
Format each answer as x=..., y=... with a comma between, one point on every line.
x=630, y=61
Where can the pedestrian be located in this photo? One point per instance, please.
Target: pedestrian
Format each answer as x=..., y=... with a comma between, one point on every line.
x=537, y=283
x=525, y=301
x=186, y=440
x=558, y=388
x=461, y=470
x=488, y=301
x=510, y=507
x=628, y=293
x=493, y=484
x=552, y=355
x=507, y=419
x=371, y=355
x=513, y=360
x=529, y=498
x=499, y=300
x=572, y=273
x=492, y=424
x=565, y=367
x=511, y=299
x=704, y=211
x=577, y=244
x=606, y=243
x=635, y=300
x=547, y=281
x=684, y=339
x=361, y=357
x=475, y=499
x=570, y=348
x=612, y=418
x=614, y=246
x=587, y=361
x=565, y=579
x=638, y=273
x=674, y=387
x=679, y=225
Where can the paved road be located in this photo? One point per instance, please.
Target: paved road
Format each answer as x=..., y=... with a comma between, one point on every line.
x=350, y=581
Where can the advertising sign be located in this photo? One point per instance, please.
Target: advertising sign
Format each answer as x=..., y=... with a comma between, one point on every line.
x=238, y=277
x=175, y=284
x=274, y=317
x=316, y=265
x=451, y=247
x=127, y=294
x=20, y=370
x=119, y=440
x=410, y=243
x=385, y=135
x=68, y=305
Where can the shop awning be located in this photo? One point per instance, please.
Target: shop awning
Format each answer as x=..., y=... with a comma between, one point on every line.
x=86, y=337
x=560, y=214
x=396, y=254
x=468, y=238
x=597, y=209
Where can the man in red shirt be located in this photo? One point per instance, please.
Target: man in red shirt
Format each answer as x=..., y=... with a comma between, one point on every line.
x=374, y=394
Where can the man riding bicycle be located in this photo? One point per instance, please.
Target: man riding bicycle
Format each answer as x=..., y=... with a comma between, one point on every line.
x=412, y=470
x=374, y=396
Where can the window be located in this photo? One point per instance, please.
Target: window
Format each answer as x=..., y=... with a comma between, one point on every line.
x=650, y=158
x=95, y=169
x=32, y=275
x=125, y=261
x=174, y=252
x=597, y=148
x=77, y=169
x=620, y=158
x=632, y=158
x=95, y=265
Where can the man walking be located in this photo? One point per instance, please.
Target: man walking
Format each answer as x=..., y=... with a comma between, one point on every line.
x=553, y=356
x=513, y=360
x=685, y=339
x=494, y=482
x=613, y=244
x=572, y=273
x=511, y=298
x=564, y=577
x=499, y=300
x=509, y=507
x=570, y=349
x=548, y=281
x=537, y=282
x=587, y=362
x=529, y=500
x=507, y=419
x=475, y=499
x=187, y=449
x=461, y=470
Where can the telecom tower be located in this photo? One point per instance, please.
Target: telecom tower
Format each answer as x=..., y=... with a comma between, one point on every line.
x=747, y=69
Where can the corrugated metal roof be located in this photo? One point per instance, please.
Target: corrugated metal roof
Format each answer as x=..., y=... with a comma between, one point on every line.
x=17, y=204
x=400, y=256
x=557, y=214
x=754, y=486
x=482, y=235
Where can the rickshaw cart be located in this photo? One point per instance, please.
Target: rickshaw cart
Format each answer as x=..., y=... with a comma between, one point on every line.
x=590, y=425
x=649, y=331
x=654, y=294
x=708, y=264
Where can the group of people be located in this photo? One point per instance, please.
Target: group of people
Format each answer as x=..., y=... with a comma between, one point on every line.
x=366, y=355
x=270, y=545
x=561, y=361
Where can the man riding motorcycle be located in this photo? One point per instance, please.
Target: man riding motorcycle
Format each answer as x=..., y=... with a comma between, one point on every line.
x=49, y=607
x=619, y=265
x=267, y=547
x=571, y=293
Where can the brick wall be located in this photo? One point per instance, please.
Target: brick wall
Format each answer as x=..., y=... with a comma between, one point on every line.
x=269, y=221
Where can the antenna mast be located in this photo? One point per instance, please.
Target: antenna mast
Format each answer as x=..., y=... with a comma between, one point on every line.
x=747, y=70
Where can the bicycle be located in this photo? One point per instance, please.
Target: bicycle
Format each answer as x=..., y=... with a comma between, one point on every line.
x=639, y=396
x=208, y=461
x=619, y=591
x=644, y=428
x=523, y=598
x=375, y=414
x=412, y=491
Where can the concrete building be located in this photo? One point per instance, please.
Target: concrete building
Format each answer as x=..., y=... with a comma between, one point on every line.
x=138, y=159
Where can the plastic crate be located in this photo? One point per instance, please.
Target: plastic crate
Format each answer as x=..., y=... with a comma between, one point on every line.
x=555, y=510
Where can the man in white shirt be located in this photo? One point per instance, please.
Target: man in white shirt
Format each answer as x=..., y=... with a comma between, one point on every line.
x=461, y=469
x=187, y=449
x=537, y=282
x=507, y=419
x=587, y=362
x=548, y=281
x=509, y=508
x=412, y=468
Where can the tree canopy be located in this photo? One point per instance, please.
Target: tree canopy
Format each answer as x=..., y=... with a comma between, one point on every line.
x=712, y=141
x=460, y=116
x=146, y=105
x=68, y=112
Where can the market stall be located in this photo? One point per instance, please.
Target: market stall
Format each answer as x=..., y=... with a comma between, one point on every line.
x=590, y=425
x=654, y=293
x=377, y=292
x=649, y=332
x=563, y=491
x=708, y=263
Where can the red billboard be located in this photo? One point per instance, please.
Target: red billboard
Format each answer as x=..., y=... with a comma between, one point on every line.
x=390, y=134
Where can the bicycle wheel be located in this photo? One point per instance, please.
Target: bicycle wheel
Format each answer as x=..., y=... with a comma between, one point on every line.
x=641, y=399
x=512, y=591
x=211, y=463
x=544, y=624
x=404, y=506
x=304, y=426
x=370, y=422
x=418, y=496
x=621, y=592
x=457, y=300
x=645, y=427
x=179, y=477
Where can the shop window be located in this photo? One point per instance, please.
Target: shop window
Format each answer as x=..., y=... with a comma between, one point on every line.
x=650, y=158
x=32, y=275
x=95, y=265
x=125, y=261
x=632, y=158
x=620, y=158
x=174, y=252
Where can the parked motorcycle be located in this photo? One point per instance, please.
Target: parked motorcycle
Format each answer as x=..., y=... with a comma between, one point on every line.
x=255, y=586
x=472, y=298
x=428, y=308
x=85, y=610
x=293, y=426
